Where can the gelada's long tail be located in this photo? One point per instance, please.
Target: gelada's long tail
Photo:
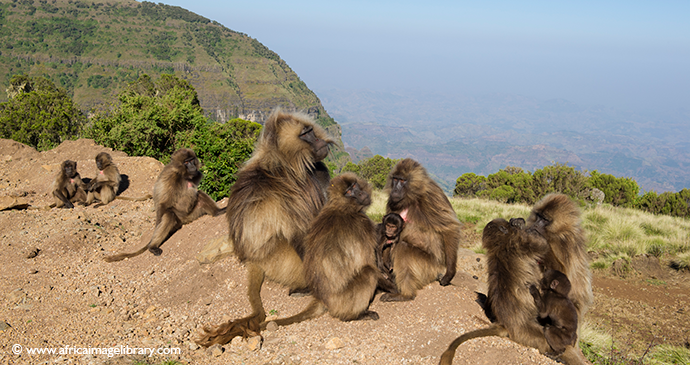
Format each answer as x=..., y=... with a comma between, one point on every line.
x=224, y=333
x=122, y=256
x=139, y=199
x=493, y=330
x=252, y=325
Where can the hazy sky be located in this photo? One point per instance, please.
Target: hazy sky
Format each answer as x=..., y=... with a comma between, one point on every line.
x=626, y=54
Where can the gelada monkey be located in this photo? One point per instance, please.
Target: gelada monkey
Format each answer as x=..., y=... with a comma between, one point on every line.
x=557, y=218
x=388, y=232
x=278, y=193
x=431, y=235
x=556, y=312
x=339, y=255
x=177, y=201
x=513, y=254
x=104, y=187
x=68, y=187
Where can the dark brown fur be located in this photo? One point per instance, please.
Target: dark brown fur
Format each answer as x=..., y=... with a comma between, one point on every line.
x=177, y=201
x=514, y=254
x=339, y=256
x=68, y=187
x=277, y=195
x=556, y=312
x=388, y=236
x=429, y=243
x=557, y=218
x=105, y=185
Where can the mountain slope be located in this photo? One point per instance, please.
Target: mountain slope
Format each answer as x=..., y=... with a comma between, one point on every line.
x=94, y=48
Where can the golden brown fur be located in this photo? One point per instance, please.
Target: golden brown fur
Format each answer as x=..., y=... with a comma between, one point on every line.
x=557, y=217
x=105, y=185
x=553, y=239
x=339, y=251
x=277, y=194
x=68, y=187
x=429, y=243
x=512, y=256
x=177, y=201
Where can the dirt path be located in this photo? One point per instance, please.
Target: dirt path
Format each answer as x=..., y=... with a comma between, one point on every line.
x=640, y=312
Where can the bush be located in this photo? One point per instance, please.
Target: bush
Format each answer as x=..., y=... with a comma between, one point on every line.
x=617, y=191
x=519, y=182
x=222, y=149
x=156, y=119
x=675, y=204
x=469, y=184
x=375, y=170
x=559, y=178
x=39, y=114
x=150, y=118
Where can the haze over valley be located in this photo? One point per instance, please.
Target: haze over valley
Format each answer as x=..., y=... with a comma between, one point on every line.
x=455, y=134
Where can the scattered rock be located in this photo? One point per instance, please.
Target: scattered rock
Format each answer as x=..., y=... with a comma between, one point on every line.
x=95, y=290
x=33, y=252
x=16, y=296
x=215, y=350
x=272, y=326
x=268, y=341
x=595, y=196
x=334, y=343
x=11, y=202
x=254, y=343
x=149, y=310
x=621, y=267
x=215, y=250
x=237, y=342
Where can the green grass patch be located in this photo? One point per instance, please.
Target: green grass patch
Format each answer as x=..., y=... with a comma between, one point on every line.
x=667, y=354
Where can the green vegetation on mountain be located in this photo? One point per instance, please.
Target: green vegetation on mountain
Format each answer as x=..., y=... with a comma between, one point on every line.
x=93, y=49
x=153, y=77
x=156, y=118
x=149, y=118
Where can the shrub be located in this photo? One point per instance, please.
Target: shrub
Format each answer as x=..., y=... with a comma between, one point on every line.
x=513, y=184
x=559, y=178
x=618, y=191
x=150, y=118
x=375, y=169
x=222, y=149
x=156, y=119
x=469, y=184
x=675, y=204
x=39, y=114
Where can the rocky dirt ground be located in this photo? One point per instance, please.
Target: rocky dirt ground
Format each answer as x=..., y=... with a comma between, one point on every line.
x=56, y=291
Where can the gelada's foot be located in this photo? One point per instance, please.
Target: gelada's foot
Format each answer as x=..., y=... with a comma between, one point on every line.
x=155, y=250
x=299, y=292
x=396, y=297
x=368, y=315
